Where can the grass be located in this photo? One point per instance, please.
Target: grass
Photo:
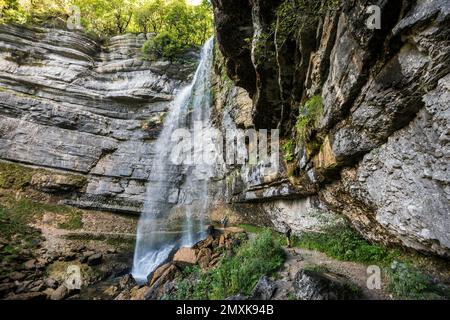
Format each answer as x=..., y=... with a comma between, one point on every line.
x=343, y=243
x=404, y=279
x=74, y=221
x=309, y=115
x=238, y=274
x=19, y=235
x=251, y=228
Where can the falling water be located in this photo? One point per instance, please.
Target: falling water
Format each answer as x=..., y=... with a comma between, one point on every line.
x=173, y=185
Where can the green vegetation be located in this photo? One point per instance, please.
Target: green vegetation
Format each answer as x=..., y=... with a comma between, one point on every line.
x=238, y=274
x=288, y=149
x=177, y=25
x=309, y=115
x=343, y=243
x=22, y=212
x=14, y=177
x=252, y=229
x=17, y=177
x=73, y=221
x=295, y=15
x=404, y=277
x=405, y=281
x=317, y=268
x=14, y=229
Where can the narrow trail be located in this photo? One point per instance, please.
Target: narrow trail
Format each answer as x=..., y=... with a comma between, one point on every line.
x=297, y=259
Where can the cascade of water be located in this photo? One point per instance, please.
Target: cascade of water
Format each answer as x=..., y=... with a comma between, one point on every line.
x=156, y=236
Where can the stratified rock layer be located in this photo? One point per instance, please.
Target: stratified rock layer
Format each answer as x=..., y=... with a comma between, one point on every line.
x=76, y=105
x=379, y=153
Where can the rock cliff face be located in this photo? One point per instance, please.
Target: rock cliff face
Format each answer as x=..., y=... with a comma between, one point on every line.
x=378, y=149
x=71, y=104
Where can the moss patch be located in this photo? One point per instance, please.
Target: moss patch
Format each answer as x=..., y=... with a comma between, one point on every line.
x=73, y=221
x=13, y=176
x=17, y=177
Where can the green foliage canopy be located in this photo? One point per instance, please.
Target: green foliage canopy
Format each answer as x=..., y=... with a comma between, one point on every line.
x=177, y=25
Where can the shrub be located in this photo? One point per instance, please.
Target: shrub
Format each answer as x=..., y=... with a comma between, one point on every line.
x=407, y=282
x=237, y=274
x=288, y=149
x=164, y=45
x=309, y=115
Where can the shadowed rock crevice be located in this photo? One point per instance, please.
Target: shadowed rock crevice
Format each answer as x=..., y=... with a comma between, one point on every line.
x=376, y=150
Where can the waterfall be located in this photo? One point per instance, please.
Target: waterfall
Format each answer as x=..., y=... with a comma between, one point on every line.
x=175, y=188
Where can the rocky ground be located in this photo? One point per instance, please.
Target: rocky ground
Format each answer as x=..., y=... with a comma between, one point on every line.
x=37, y=258
x=305, y=275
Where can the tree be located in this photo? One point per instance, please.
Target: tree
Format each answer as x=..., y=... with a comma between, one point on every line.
x=177, y=25
x=150, y=16
x=180, y=27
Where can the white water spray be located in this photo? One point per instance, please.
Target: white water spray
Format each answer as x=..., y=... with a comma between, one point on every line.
x=157, y=235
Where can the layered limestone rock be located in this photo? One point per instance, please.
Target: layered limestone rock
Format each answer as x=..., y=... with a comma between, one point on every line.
x=73, y=104
x=378, y=153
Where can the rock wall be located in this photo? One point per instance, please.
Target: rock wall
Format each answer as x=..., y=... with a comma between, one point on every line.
x=75, y=105
x=379, y=152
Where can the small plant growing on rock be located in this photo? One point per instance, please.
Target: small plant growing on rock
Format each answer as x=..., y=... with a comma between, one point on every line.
x=309, y=115
x=288, y=150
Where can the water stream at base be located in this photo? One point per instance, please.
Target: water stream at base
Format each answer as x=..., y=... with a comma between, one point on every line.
x=171, y=185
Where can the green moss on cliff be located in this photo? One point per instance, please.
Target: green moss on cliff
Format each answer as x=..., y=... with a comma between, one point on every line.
x=13, y=176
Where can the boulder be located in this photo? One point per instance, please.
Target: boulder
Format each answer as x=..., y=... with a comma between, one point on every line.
x=312, y=285
x=17, y=276
x=111, y=291
x=158, y=273
x=85, y=256
x=57, y=183
x=222, y=240
x=51, y=283
x=60, y=294
x=264, y=289
x=95, y=259
x=204, y=258
x=30, y=264
x=185, y=256
x=161, y=286
x=127, y=282
x=206, y=243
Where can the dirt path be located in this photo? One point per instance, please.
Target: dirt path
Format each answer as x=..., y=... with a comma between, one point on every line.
x=297, y=259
